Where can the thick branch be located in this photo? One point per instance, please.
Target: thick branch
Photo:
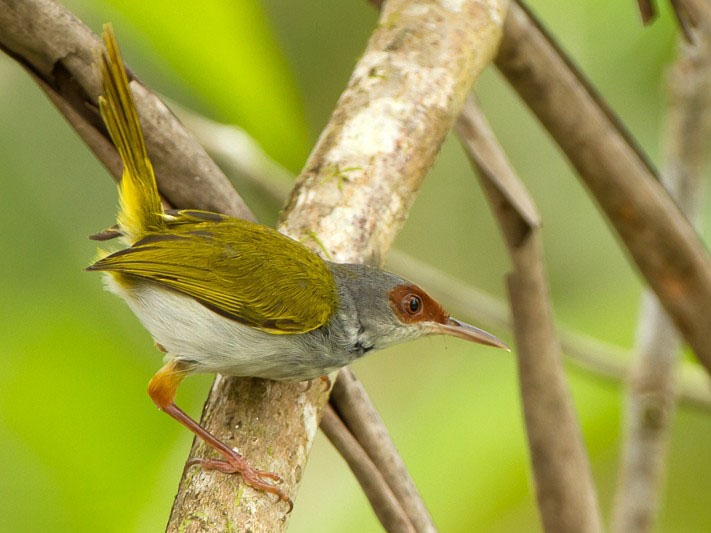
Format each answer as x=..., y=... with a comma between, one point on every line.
x=564, y=485
x=666, y=249
x=650, y=402
x=242, y=155
x=350, y=201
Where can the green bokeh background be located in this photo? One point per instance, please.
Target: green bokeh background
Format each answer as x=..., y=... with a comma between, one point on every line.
x=83, y=448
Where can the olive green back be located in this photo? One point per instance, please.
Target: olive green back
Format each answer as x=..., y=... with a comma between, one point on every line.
x=244, y=271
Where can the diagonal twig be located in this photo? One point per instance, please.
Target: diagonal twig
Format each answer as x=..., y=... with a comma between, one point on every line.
x=58, y=49
x=665, y=247
x=564, y=486
x=351, y=401
x=651, y=394
x=384, y=503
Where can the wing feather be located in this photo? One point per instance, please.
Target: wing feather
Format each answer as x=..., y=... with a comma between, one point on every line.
x=241, y=270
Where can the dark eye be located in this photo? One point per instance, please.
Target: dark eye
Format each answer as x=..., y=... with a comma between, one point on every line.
x=413, y=304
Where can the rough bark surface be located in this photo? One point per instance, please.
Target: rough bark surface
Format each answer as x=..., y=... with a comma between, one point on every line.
x=348, y=204
x=665, y=247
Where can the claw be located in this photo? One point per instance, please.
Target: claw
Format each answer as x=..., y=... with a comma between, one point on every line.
x=233, y=462
x=251, y=476
x=271, y=475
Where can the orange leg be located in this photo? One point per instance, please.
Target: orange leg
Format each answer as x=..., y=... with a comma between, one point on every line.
x=162, y=389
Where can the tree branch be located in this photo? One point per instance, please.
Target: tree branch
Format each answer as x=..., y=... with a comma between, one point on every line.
x=386, y=506
x=240, y=154
x=564, y=485
x=353, y=405
x=650, y=398
x=666, y=249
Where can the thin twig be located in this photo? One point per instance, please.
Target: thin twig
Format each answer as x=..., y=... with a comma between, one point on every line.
x=665, y=247
x=564, y=486
x=591, y=355
x=384, y=503
x=351, y=400
x=650, y=398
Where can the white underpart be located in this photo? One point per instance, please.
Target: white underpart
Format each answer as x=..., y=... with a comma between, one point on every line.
x=188, y=330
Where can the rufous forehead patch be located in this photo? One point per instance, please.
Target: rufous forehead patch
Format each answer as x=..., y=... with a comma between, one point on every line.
x=430, y=310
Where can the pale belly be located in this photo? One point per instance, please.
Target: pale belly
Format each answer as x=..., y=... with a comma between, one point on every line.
x=189, y=331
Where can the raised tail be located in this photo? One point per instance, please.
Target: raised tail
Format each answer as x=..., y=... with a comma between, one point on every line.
x=140, y=209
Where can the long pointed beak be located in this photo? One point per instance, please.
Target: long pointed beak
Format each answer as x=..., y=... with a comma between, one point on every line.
x=468, y=333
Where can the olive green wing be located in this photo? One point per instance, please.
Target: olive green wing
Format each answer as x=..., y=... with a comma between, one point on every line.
x=244, y=271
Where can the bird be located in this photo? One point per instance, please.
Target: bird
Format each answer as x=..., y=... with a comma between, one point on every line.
x=224, y=295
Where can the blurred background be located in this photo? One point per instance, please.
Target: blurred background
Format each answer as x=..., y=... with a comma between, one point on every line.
x=82, y=446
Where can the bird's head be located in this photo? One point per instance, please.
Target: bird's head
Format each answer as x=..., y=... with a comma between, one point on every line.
x=392, y=309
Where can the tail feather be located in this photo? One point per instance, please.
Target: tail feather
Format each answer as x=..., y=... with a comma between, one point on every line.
x=140, y=210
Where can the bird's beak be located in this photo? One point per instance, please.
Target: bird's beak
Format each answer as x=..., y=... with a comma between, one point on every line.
x=468, y=333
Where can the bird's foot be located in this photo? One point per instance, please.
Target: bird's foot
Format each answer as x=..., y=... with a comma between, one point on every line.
x=235, y=463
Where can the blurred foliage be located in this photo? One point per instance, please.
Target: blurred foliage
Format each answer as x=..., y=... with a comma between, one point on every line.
x=83, y=447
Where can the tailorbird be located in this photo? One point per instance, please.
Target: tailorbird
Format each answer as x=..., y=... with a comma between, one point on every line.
x=220, y=294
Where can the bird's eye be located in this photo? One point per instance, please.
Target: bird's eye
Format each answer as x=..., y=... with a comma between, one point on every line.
x=413, y=304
